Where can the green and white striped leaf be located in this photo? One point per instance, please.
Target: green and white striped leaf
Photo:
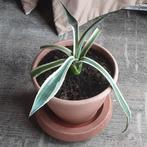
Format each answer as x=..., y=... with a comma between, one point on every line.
x=64, y=49
x=117, y=92
x=86, y=34
x=74, y=23
x=89, y=42
x=51, y=85
x=46, y=67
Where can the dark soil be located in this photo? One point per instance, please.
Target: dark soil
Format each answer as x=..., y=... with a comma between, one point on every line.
x=88, y=84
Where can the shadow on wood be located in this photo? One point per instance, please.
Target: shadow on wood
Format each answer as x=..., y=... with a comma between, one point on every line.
x=46, y=11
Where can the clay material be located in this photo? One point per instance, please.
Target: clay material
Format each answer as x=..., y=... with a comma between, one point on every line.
x=78, y=111
x=61, y=130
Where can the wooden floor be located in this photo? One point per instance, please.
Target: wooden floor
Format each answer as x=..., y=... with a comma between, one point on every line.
x=124, y=33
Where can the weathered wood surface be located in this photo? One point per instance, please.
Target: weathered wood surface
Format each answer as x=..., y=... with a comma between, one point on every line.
x=124, y=34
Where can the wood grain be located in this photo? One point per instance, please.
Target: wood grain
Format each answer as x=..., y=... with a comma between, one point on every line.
x=124, y=33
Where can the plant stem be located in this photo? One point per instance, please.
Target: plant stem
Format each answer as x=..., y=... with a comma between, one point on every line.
x=76, y=68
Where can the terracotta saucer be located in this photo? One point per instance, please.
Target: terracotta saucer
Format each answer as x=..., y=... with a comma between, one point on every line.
x=61, y=130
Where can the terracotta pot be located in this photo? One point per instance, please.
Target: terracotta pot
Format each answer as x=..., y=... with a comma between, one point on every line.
x=78, y=111
x=55, y=127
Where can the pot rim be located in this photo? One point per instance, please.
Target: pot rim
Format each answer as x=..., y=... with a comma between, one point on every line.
x=104, y=93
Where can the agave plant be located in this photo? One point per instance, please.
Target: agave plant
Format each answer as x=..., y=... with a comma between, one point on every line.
x=76, y=58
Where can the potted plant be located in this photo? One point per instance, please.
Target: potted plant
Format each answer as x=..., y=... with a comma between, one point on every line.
x=72, y=64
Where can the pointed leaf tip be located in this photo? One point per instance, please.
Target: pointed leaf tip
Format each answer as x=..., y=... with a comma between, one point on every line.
x=51, y=85
x=74, y=23
x=116, y=90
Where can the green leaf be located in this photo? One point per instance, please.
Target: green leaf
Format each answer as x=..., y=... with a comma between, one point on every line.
x=74, y=23
x=46, y=67
x=64, y=49
x=117, y=92
x=89, y=42
x=51, y=85
x=86, y=34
